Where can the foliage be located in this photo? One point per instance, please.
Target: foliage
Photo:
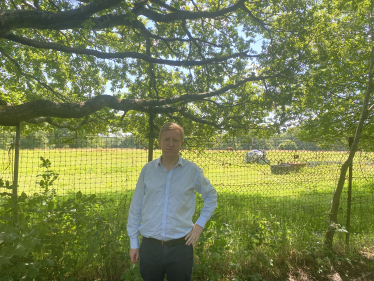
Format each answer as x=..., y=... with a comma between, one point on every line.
x=287, y=145
x=335, y=76
x=269, y=249
x=50, y=239
x=197, y=63
x=221, y=246
x=194, y=62
x=63, y=138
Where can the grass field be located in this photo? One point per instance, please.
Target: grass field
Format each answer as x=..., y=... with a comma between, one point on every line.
x=248, y=187
x=109, y=170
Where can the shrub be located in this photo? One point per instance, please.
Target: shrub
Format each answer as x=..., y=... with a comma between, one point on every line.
x=287, y=145
x=43, y=238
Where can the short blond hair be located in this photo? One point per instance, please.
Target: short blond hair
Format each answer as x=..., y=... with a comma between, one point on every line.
x=172, y=126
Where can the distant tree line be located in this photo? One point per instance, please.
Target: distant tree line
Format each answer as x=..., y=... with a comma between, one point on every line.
x=63, y=138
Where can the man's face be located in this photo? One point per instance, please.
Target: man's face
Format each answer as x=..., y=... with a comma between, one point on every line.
x=170, y=142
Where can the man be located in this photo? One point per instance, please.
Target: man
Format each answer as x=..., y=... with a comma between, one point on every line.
x=161, y=211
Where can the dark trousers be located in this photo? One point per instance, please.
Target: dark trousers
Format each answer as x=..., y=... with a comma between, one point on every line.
x=157, y=260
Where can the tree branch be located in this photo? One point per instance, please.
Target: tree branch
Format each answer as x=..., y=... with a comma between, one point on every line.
x=187, y=15
x=199, y=120
x=193, y=40
x=201, y=96
x=36, y=4
x=122, y=55
x=28, y=4
x=163, y=4
x=260, y=22
x=10, y=20
x=12, y=115
x=220, y=126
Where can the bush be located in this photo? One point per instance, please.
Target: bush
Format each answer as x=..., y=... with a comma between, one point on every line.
x=287, y=145
x=42, y=238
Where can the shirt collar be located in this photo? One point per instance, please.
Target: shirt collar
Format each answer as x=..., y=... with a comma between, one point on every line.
x=180, y=161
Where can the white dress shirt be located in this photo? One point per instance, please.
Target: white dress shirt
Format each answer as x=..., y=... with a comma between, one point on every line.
x=164, y=202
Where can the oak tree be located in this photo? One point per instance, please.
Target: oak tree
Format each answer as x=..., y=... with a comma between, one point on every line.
x=189, y=61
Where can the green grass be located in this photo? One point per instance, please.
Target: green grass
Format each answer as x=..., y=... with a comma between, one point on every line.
x=110, y=172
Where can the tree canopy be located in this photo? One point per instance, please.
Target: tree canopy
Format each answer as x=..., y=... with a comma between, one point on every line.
x=234, y=66
x=337, y=69
x=189, y=61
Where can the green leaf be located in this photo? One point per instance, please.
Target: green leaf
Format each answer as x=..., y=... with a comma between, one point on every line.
x=32, y=272
x=88, y=24
x=48, y=262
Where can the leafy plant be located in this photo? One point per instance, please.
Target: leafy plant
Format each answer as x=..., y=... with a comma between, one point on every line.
x=55, y=239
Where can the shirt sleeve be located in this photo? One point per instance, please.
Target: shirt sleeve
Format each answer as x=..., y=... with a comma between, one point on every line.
x=135, y=213
x=208, y=194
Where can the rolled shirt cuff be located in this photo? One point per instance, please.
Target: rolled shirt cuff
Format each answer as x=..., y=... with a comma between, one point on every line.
x=202, y=221
x=134, y=243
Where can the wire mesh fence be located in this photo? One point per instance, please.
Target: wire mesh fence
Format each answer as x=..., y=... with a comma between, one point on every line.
x=293, y=185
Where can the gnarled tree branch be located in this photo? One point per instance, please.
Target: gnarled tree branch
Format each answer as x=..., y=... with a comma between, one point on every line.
x=12, y=115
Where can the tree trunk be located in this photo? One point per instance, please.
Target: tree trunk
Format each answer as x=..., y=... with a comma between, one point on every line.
x=336, y=198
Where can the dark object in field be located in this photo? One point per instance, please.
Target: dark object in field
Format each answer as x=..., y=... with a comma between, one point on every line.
x=295, y=166
x=285, y=168
x=280, y=169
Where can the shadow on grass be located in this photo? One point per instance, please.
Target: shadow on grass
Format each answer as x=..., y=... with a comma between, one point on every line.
x=360, y=267
x=308, y=211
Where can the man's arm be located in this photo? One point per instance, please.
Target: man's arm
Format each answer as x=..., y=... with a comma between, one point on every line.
x=135, y=218
x=209, y=195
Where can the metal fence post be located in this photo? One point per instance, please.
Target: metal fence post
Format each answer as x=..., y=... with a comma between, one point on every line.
x=150, y=138
x=349, y=201
x=16, y=168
